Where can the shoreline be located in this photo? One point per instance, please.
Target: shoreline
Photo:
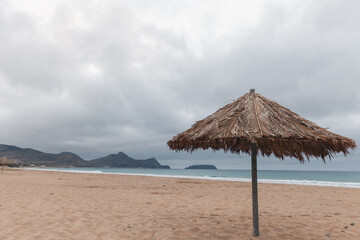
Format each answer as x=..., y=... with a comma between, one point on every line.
x=230, y=179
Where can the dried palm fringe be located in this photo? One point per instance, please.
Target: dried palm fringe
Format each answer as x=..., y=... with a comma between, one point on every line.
x=280, y=148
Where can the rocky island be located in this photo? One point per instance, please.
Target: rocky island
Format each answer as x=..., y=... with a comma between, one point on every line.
x=201, y=166
x=29, y=157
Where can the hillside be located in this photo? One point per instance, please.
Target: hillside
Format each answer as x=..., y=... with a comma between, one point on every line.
x=31, y=157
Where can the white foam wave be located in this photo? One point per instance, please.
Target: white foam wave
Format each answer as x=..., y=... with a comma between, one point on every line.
x=66, y=170
x=312, y=183
x=274, y=181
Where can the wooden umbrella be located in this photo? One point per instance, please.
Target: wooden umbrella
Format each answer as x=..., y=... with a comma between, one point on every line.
x=253, y=124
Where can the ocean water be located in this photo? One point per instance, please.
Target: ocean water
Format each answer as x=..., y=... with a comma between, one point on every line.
x=315, y=178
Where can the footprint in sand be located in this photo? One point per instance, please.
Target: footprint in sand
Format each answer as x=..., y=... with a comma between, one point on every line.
x=195, y=229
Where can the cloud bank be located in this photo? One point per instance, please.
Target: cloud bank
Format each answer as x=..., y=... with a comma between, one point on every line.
x=97, y=77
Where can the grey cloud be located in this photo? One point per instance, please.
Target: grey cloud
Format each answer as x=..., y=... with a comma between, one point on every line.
x=99, y=78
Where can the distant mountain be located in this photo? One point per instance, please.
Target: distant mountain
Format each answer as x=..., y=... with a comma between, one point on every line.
x=29, y=157
x=201, y=166
x=121, y=160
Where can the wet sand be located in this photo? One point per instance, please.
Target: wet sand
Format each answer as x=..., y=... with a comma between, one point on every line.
x=54, y=205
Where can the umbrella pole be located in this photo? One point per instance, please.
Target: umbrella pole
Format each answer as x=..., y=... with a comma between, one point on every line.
x=254, y=190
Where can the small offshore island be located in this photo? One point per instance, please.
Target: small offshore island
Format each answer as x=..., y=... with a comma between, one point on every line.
x=27, y=157
x=201, y=166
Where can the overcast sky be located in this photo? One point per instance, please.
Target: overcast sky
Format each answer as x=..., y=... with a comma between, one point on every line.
x=99, y=77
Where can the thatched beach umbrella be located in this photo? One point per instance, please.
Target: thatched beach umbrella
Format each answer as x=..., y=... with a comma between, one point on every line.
x=253, y=124
x=4, y=161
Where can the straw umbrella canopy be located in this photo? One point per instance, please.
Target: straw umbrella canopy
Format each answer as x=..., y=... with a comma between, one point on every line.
x=254, y=124
x=4, y=161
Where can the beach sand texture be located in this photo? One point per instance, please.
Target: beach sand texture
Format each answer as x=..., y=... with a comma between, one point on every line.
x=55, y=205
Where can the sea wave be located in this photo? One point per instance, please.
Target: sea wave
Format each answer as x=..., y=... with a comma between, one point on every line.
x=214, y=178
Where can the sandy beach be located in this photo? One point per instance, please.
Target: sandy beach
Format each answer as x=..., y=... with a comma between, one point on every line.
x=55, y=205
